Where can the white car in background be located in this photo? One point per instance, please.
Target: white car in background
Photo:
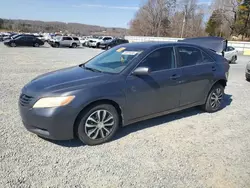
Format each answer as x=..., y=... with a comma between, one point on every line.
x=95, y=42
x=84, y=40
x=231, y=54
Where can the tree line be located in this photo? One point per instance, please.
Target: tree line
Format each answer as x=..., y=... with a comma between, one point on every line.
x=191, y=18
x=34, y=26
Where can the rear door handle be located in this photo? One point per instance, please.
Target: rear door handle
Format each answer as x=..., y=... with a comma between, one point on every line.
x=213, y=68
x=175, y=77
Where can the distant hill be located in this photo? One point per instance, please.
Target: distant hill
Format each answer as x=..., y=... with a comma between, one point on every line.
x=73, y=28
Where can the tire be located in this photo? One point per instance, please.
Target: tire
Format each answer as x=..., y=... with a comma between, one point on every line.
x=97, y=45
x=36, y=45
x=74, y=45
x=56, y=45
x=247, y=78
x=214, y=99
x=108, y=47
x=233, y=60
x=13, y=44
x=91, y=132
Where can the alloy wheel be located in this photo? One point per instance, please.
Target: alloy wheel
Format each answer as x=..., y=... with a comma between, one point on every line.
x=99, y=124
x=216, y=98
x=13, y=44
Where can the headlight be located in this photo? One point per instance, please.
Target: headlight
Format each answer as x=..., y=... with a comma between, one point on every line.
x=48, y=102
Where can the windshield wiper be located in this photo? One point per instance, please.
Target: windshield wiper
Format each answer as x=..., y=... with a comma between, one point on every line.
x=91, y=69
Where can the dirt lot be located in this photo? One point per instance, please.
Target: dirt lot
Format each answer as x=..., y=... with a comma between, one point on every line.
x=186, y=149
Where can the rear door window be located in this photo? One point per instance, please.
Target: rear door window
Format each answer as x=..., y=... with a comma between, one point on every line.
x=67, y=38
x=207, y=58
x=189, y=56
x=107, y=38
x=29, y=38
x=75, y=38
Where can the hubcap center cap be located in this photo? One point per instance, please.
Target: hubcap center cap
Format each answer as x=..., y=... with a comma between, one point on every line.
x=100, y=125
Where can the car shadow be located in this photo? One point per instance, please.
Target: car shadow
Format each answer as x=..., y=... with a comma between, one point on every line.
x=124, y=131
x=165, y=119
x=29, y=47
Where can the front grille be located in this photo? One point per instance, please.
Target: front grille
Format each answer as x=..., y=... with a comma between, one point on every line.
x=25, y=100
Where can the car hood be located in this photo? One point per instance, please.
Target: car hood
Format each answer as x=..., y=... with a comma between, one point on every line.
x=64, y=80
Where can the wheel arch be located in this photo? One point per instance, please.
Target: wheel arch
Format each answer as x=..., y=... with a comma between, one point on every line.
x=222, y=82
x=94, y=103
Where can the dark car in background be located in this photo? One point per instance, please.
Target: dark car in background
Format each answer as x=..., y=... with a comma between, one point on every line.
x=124, y=85
x=8, y=37
x=1, y=37
x=24, y=40
x=111, y=43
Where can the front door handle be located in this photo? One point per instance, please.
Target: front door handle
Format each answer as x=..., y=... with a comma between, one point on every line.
x=175, y=77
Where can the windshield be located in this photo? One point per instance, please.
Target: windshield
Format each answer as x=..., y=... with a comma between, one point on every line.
x=15, y=36
x=57, y=37
x=114, y=60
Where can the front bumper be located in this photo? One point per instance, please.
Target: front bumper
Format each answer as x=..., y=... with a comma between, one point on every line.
x=103, y=46
x=92, y=44
x=51, y=123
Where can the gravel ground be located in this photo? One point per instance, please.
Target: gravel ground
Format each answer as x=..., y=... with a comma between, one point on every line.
x=186, y=149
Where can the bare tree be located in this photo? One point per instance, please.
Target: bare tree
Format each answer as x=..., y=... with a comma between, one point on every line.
x=228, y=14
x=152, y=19
x=188, y=20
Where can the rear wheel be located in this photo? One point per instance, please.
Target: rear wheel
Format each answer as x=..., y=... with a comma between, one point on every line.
x=36, y=45
x=214, y=99
x=234, y=59
x=13, y=44
x=98, y=124
x=74, y=45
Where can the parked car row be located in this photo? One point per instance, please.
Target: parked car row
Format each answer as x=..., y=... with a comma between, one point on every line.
x=103, y=42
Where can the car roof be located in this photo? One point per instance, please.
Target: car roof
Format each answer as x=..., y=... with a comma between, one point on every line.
x=155, y=44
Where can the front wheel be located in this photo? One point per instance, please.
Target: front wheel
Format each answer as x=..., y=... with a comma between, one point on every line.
x=13, y=44
x=98, y=124
x=234, y=59
x=56, y=45
x=214, y=99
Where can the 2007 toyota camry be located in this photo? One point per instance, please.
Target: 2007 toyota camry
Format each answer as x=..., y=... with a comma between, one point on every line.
x=126, y=84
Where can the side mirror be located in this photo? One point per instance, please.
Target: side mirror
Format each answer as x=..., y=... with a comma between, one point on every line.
x=140, y=71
